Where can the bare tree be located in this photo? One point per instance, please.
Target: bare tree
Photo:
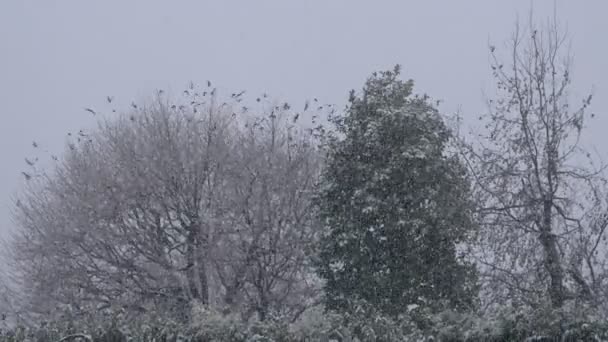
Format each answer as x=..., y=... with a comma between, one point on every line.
x=543, y=205
x=272, y=223
x=127, y=217
x=171, y=204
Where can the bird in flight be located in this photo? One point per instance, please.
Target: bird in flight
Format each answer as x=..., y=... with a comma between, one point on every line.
x=90, y=111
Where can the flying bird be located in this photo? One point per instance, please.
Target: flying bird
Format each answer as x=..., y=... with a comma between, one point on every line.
x=133, y=105
x=295, y=117
x=306, y=105
x=90, y=111
x=29, y=162
x=258, y=99
x=109, y=98
x=34, y=144
x=208, y=83
x=26, y=175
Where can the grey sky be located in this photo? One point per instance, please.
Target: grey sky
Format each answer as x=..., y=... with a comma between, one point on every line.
x=57, y=57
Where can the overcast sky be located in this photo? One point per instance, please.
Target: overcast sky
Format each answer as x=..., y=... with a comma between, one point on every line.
x=57, y=57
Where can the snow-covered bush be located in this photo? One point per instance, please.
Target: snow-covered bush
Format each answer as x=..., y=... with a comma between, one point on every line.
x=361, y=323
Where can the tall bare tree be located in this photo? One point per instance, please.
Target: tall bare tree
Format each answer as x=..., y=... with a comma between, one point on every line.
x=171, y=204
x=128, y=213
x=542, y=195
x=272, y=225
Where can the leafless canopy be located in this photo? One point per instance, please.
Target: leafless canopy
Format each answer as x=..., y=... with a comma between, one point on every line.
x=542, y=202
x=172, y=204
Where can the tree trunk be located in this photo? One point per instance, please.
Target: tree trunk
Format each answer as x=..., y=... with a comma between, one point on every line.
x=552, y=258
x=197, y=271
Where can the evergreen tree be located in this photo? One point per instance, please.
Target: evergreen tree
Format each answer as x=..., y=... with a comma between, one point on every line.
x=394, y=204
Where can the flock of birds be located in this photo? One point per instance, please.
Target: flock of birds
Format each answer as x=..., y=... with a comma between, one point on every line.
x=193, y=96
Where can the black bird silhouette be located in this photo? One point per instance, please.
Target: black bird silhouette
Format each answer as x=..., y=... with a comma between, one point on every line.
x=306, y=105
x=34, y=144
x=208, y=83
x=29, y=162
x=295, y=117
x=90, y=111
x=109, y=98
x=133, y=105
x=258, y=99
x=26, y=175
